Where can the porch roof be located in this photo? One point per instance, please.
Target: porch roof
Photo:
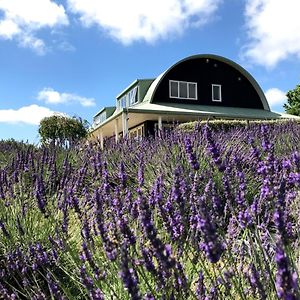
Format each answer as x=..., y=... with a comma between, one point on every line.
x=180, y=112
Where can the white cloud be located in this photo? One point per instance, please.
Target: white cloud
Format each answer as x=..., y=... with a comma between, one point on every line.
x=31, y=114
x=22, y=19
x=274, y=30
x=48, y=95
x=275, y=97
x=8, y=29
x=147, y=20
x=29, y=41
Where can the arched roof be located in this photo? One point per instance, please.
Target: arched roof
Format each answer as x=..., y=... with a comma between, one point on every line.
x=151, y=91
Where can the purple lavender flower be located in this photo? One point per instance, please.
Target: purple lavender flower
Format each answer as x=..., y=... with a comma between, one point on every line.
x=86, y=253
x=200, y=288
x=85, y=279
x=211, y=245
x=122, y=175
x=97, y=295
x=141, y=178
x=86, y=231
x=296, y=160
x=53, y=287
x=286, y=279
x=125, y=230
x=129, y=275
x=3, y=228
x=213, y=149
x=4, y=292
x=256, y=283
x=75, y=203
x=148, y=262
x=190, y=154
x=161, y=251
x=40, y=195
x=65, y=223
x=109, y=245
x=244, y=217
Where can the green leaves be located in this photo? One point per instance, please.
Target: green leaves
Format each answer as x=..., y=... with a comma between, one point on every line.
x=62, y=130
x=293, y=102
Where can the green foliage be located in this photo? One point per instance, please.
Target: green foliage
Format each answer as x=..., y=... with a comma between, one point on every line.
x=293, y=102
x=62, y=130
x=10, y=148
x=226, y=125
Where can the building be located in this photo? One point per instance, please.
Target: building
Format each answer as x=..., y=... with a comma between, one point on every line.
x=197, y=87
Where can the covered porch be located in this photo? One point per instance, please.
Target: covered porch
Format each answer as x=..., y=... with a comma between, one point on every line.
x=122, y=122
x=126, y=122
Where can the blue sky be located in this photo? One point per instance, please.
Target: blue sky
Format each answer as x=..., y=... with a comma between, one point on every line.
x=75, y=56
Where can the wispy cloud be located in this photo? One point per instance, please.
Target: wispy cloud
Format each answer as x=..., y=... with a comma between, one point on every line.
x=23, y=19
x=148, y=20
x=273, y=30
x=50, y=96
x=275, y=97
x=31, y=114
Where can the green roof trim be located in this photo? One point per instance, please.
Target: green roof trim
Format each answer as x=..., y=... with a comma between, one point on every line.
x=109, y=111
x=151, y=91
x=140, y=82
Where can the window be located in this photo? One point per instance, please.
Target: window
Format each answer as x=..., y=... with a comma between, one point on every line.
x=132, y=96
x=100, y=118
x=192, y=90
x=128, y=99
x=174, y=89
x=137, y=132
x=183, y=90
x=216, y=92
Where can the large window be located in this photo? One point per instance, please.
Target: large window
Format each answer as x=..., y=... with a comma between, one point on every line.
x=128, y=99
x=132, y=96
x=137, y=132
x=216, y=92
x=183, y=90
x=100, y=118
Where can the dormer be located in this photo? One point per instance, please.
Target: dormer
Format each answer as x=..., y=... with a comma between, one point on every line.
x=133, y=94
x=102, y=115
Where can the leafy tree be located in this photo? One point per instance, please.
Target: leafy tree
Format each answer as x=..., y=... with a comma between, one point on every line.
x=293, y=102
x=63, y=131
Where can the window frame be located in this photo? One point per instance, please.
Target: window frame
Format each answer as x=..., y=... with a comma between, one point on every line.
x=133, y=95
x=213, y=94
x=126, y=99
x=170, y=89
x=99, y=119
x=188, y=89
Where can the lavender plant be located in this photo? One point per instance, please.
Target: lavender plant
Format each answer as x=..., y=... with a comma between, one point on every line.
x=198, y=214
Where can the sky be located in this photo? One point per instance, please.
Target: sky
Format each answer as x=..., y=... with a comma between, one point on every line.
x=74, y=56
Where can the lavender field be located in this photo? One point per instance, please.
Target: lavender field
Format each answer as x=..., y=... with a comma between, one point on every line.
x=199, y=214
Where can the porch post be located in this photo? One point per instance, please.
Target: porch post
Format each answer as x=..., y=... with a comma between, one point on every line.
x=125, y=124
x=116, y=131
x=101, y=139
x=159, y=122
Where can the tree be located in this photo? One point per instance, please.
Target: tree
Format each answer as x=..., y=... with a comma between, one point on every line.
x=293, y=102
x=63, y=131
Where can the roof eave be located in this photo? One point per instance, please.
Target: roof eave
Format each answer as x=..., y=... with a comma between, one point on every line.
x=102, y=110
x=202, y=114
x=112, y=117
